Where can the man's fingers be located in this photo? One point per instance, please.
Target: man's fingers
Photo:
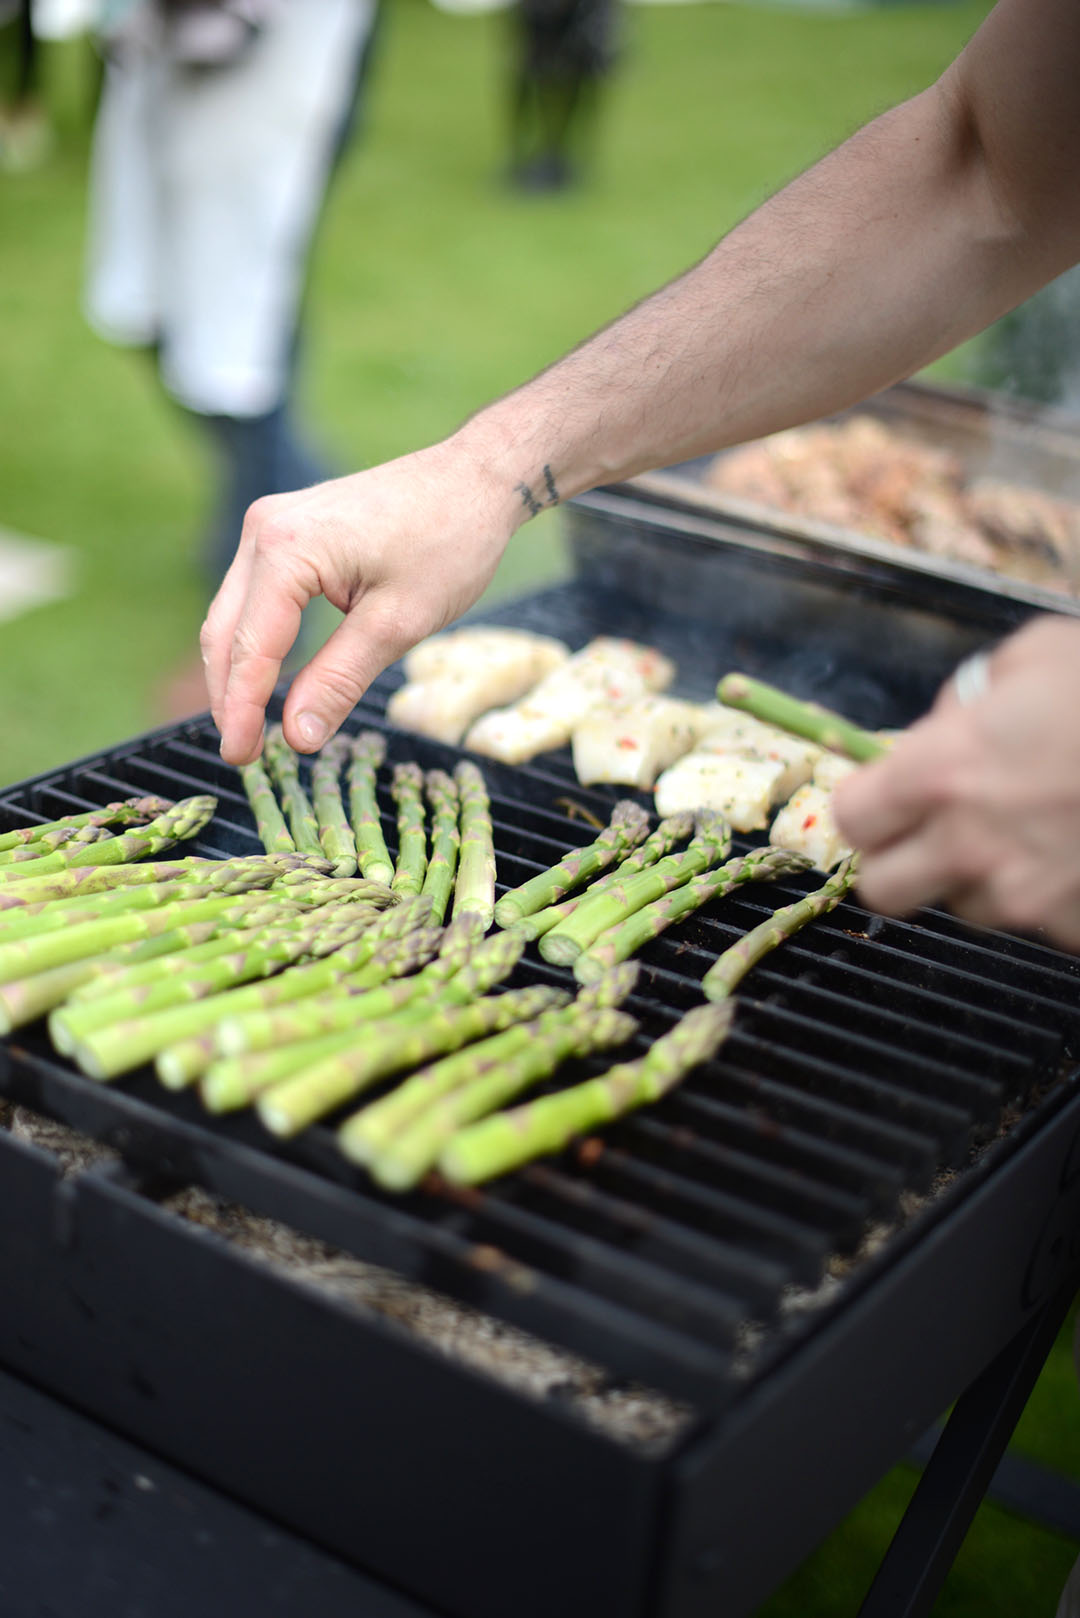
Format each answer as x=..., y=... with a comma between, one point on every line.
x=266, y=628
x=328, y=688
x=216, y=636
x=889, y=799
x=924, y=867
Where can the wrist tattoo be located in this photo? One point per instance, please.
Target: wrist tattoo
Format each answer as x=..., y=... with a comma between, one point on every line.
x=528, y=499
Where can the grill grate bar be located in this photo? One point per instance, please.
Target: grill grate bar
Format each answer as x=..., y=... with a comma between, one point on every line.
x=885, y=1144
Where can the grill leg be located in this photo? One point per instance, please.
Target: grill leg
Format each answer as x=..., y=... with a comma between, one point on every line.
x=949, y=1493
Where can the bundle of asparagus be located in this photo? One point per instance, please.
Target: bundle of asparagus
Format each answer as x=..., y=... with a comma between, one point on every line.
x=676, y=829
x=127, y=812
x=188, y=1054
x=598, y=912
x=174, y=824
x=628, y=826
x=622, y=941
x=455, y=1017
x=461, y=835
x=258, y=1048
x=401, y=1137
x=732, y=966
x=505, y=1141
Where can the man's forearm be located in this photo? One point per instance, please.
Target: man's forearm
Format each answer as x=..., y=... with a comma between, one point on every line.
x=893, y=249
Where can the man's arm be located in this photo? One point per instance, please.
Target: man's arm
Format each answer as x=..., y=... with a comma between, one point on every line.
x=913, y=235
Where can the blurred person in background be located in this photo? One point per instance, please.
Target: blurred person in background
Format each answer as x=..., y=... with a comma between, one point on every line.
x=216, y=138
x=25, y=135
x=562, y=50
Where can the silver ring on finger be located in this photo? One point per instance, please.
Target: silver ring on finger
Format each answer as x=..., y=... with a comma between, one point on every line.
x=971, y=680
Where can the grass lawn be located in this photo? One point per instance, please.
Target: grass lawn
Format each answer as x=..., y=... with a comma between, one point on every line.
x=434, y=288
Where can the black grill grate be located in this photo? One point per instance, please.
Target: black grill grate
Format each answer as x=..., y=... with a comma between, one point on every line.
x=867, y=1057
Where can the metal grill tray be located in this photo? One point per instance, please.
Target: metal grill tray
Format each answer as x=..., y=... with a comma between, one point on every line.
x=869, y=1057
x=992, y=435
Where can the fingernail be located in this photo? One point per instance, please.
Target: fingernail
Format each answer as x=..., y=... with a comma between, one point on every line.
x=312, y=728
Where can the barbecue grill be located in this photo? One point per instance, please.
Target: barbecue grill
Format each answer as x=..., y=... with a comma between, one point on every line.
x=865, y=1205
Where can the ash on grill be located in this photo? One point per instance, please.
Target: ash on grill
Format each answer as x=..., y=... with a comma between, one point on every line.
x=627, y=1413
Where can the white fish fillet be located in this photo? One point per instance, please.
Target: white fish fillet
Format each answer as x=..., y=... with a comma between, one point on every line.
x=606, y=673
x=796, y=756
x=806, y=826
x=743, y=789
x=482, y=644
x=632, y=745
x=831, y=769
x=460, y=685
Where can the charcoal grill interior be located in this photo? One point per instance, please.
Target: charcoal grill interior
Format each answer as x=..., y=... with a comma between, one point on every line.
x=868, y=1058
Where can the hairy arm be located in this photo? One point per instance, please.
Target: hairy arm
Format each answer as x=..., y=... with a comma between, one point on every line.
x=920, y=230
x=928, y=224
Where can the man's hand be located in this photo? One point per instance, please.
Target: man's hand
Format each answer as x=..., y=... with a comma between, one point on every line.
x=401, y=550
x=978, y=806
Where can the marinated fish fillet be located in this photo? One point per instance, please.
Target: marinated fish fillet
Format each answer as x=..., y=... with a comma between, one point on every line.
x=607, y=673
x=742, y=789
x=749, y=738
x=632, y=745
x=460, y=685
x=831, y=769
x=479, y=644
x=805, y=825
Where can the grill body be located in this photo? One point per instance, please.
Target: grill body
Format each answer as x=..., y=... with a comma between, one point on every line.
x=873, y=1070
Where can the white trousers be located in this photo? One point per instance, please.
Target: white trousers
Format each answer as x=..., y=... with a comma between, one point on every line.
x=205, y=188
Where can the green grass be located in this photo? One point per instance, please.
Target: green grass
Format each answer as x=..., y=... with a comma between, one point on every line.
x=435, y=288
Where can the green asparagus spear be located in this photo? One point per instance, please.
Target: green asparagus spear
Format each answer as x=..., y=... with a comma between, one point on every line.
x=183, y=820
x=372, y=1132
x=628, y=826
x=274, y=834
x=474, y=892
x=335, y=833
x=284, y=768
x=311, y=1094
x=676, y=829
x=368, y=752
x=445, y=839
x=800, y=718
x=406, y=787
x=709, y=846
x=731, y=967
x=53, y=842
x=621, y=942
x=505, y=1141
